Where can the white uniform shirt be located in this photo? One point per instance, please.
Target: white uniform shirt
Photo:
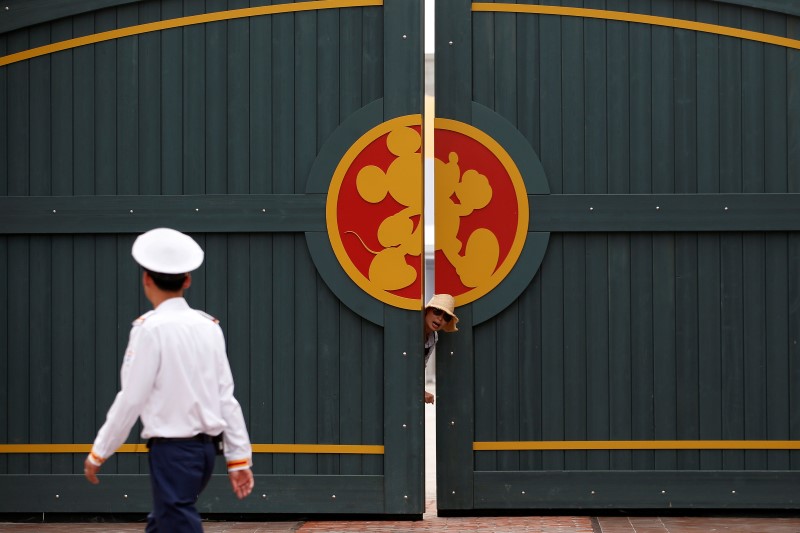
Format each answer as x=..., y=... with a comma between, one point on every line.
x=176, y=377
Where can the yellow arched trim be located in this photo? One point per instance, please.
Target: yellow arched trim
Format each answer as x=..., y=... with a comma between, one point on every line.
x=358, y=449
x=641, y=19
x=522, y=205
x=184, y=21
x=565, y=445
x=331, y=211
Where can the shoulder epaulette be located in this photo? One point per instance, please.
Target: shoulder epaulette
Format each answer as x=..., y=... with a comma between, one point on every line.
x=139, y=321
x=206, y=315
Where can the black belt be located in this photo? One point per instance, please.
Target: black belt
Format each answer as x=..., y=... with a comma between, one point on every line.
x=201, y=437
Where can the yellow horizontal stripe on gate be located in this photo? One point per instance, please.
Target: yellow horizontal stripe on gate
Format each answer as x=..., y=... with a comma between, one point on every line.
x=358, y=449
x=565, y=445
x=641, y=19
x=319, y=448
x=192, y=20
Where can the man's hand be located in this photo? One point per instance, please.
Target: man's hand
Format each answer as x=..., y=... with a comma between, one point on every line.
x=242, y=482
x=429, y=398
x=90, y=471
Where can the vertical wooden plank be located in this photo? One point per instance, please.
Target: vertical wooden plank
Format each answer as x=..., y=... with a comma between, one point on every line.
x=552, y=122
x=173, y=68
x=83, y=308
x=508, y=384
x=775, y=108
x=194, y=103
x=129, y=304
x=109, y=357
x=404, y=428
x=262, y=355
x=732, y=347
x=483, y=59
x=573, y=135
x=4, y=280
x=642, y=348
x=127, y=105
x=150, y=105
x=328, y=54
x=404, y=423
x=709, y=346
x=777, y=372
x=596, y=182
x=708, y=109
x=776, y=259
x=62, y=97
x=283, y=138
x=505, y=63
x=664, y=366
x=84, y=106
x=63, y=410
x=373, y=396
x=708, y=283
x=40, y=113
x=686, y=318
x=687, y=322
x=283, y=348
x=554, y=378
x=403, y=59
x=619, y=119
x=641, y=93
x=216, y=102
x=105, y=91
x=620, y=368
x=453, y=60
x=598, y=416
x=487, y=411
x=40, y=288
x=260, y=98
x=754, y=346
x=352, y=378
x=455, y=415
x=238, y=293
x=595, y=90
x=552, y=268
x=731, y=244
x=316, y=358
x=528, y=79
x=575, y=363
x=238, y=102
x=532, y=379
x=352, y=35
x=618, y=97
x=754, y=252
x=793, y=117
x=372, y=57
x=41, y=339
x=18, y=168
x=19, y=363
x=5, y=346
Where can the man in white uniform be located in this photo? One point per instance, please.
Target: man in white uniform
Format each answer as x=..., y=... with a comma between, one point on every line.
x=176, y=377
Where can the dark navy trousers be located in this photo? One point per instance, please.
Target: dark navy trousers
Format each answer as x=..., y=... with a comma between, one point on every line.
x=179, y=471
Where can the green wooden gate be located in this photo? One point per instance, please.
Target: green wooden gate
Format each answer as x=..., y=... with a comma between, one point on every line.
x=642, y=350
x=227, y=119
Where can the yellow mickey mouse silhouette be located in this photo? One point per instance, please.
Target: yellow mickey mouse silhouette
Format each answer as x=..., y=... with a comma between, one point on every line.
x=473, y=191
x=397, y=234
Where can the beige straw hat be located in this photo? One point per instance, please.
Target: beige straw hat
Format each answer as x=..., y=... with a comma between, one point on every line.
x=446, y=303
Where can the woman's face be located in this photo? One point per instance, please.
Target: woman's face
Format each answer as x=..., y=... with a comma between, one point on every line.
x=435, y=319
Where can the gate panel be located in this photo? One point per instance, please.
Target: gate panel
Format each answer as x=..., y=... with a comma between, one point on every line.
x=647, y=359
x=213, y=118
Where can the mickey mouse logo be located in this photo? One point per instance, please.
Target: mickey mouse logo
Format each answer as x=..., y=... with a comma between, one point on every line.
x=481, y=211
x=374, y=212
